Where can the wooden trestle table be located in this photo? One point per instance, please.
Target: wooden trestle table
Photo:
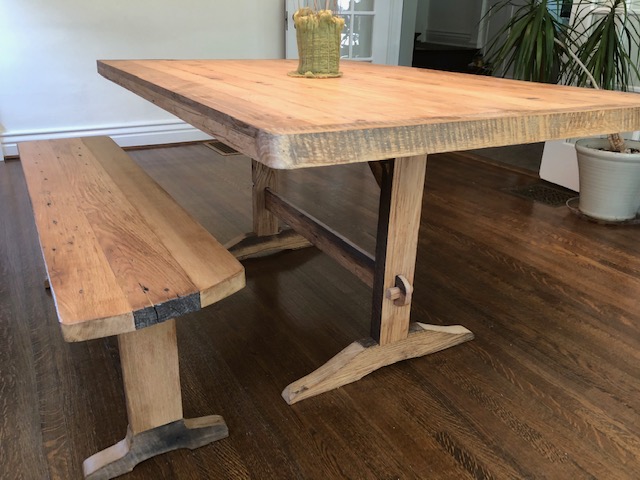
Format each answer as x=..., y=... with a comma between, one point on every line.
x=373, y=113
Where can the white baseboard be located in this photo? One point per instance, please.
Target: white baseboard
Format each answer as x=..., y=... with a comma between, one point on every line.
x=158, y=133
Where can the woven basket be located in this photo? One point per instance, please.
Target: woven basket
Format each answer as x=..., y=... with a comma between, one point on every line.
x=318, y=37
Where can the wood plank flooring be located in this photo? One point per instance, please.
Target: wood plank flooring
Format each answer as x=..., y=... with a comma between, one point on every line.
x=549, y=388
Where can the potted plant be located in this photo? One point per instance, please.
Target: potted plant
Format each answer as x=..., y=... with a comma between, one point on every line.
x=598, y=47
x=318, y=35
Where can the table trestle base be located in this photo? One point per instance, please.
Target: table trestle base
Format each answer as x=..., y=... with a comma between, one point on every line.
x=289, y=129
x=264, y=222
x=365, y=356
x=390, y=274
x=358, y=261
x=251, y=245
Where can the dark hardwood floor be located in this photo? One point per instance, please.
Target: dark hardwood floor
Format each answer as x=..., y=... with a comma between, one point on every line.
x=549, y=388
x=524, y=158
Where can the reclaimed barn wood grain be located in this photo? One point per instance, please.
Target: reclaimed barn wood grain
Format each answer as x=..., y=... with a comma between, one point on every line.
x=151, y=377
x=250, y=245
x=397, y=245
x=124, y=259
x=547, y=389
x=347, y=254
x=266, y=238
x=264, y=222
x=120, y=253
x=365, y=356
x=371, y=113
x=125, y=455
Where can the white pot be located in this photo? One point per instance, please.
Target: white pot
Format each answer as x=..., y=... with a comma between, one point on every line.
x=609, y=181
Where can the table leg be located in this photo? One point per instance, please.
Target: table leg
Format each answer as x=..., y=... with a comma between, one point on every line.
x=377, y=169
x=264, y=222
x=397, y=244
x=266, y=238
x=393, y=338
x=149, y=359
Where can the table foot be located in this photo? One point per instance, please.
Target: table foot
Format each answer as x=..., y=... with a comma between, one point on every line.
x=251, y=245
x=365, y=356
x=122, y=457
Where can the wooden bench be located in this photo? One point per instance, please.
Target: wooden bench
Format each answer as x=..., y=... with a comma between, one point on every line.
x=124, y=259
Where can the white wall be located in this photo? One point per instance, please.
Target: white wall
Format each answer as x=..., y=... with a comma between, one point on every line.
x=48, y=81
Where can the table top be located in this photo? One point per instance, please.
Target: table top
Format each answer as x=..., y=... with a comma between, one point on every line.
x=372, y=112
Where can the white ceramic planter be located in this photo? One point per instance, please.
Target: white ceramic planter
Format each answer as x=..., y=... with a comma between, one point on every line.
x=609, y=181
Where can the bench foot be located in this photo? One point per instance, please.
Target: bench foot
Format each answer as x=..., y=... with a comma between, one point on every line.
x=365, y=356
x=150, y=372
x=122, y=457
x=253, y=246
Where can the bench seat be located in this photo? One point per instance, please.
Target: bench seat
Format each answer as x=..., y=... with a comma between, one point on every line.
x=124, y=259
x=120, y=253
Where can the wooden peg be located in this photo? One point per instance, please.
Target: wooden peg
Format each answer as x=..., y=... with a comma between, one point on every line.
x=401, y=293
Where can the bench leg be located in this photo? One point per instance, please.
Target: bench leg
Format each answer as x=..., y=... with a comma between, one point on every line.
x=149, y=359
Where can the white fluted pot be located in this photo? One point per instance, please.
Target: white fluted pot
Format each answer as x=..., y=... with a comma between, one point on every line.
x=609, y=181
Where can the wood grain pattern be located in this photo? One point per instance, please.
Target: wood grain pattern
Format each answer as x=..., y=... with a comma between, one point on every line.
x=122, y=457
x=71, y=250
x=22, y=450
x=120, y=253
x=397, y=245
x=265, y=223
x=343, y=251
x=371, y=113
x=151, y=377
x=548, y=388
x=205, y=261
x=249, y=245
x=365, y=356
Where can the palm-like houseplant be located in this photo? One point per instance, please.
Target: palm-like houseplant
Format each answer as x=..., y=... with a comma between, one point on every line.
x=526, y=45
x=598, y=48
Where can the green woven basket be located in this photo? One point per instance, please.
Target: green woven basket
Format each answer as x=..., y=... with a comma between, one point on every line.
x=318, y=37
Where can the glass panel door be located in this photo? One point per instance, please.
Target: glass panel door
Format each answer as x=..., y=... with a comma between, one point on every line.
x=357, y=37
